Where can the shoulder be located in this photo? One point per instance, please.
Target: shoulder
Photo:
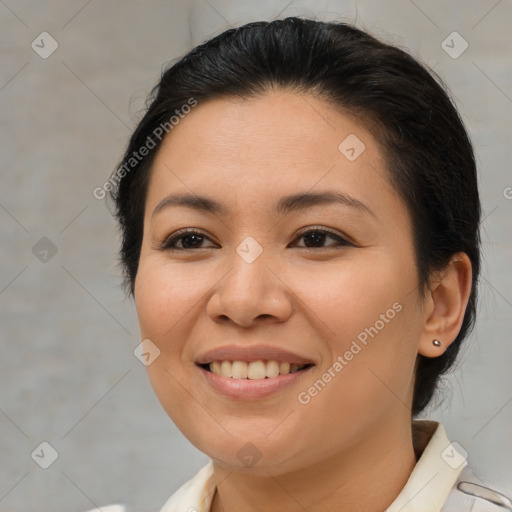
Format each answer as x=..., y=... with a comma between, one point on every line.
x=470, y=494
x=451, y=485
x=110, y=508
x=195, y=495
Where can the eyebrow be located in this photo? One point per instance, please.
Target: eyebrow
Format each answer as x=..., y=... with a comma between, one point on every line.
x=286, y=204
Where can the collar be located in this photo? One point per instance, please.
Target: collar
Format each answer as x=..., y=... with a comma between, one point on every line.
x=428, y=487
x=435, y=473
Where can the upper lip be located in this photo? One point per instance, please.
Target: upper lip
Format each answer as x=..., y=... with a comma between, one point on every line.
x=251, y=353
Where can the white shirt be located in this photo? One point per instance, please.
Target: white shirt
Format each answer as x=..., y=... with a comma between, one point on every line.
x=431, y=487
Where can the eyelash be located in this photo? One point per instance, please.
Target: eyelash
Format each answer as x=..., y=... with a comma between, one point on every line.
x=167, y=244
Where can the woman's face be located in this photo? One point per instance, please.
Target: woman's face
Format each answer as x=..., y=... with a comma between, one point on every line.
x=262, y=281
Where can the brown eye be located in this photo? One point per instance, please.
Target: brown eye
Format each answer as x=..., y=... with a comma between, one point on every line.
x=189, y=240
x=316, y=238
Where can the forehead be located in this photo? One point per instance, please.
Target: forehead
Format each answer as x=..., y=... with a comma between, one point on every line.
x=280, y=125
x=248, y=151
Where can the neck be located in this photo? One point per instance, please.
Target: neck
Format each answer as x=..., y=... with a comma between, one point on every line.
x=368, y=476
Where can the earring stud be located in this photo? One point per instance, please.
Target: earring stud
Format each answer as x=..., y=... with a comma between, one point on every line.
x=436, y=343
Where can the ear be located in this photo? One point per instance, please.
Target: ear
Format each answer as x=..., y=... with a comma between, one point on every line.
x=445, y=304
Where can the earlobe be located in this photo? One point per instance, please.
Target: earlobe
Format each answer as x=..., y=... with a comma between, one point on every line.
x=447, y=298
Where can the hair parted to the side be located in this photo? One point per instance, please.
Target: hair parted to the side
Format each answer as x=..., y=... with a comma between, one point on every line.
x=428, y=152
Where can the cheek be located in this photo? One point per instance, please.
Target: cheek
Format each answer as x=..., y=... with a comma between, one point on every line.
x=165, y=299
x=348, y=298
x=367, y=313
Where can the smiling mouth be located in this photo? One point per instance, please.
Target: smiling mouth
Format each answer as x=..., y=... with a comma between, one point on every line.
x=253, y=370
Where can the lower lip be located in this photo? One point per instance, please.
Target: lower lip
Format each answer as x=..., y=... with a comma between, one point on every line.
x=248, y=389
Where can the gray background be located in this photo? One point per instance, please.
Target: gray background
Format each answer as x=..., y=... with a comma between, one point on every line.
x=67, y=369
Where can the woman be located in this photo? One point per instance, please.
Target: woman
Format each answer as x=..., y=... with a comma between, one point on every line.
x=300, y=221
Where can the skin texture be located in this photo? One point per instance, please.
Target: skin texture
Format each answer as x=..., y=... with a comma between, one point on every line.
x=313, y=301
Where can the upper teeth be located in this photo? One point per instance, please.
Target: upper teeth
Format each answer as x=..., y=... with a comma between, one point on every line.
x=253, y=370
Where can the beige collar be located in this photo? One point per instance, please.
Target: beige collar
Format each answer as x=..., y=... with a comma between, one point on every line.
x=435, y=473
x=426, y=490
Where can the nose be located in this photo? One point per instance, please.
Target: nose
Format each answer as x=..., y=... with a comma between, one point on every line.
x=252, y=290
